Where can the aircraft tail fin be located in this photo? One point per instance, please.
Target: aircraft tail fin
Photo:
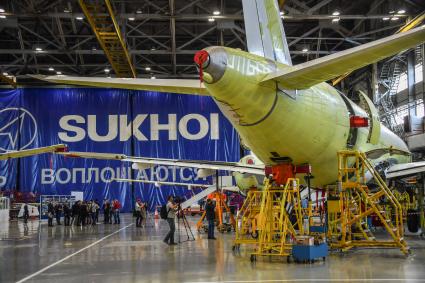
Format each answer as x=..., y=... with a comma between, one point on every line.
x=264, y=30
x=319, y=70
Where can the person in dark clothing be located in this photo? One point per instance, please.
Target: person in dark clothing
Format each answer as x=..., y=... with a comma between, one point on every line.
x=26, y=213
x=50, y=214
x=58, y=213
x=97, y=211
x=75, y=212
x=106, y=212
x=83, y=213
x=66, y=214
x=210, y=214
x=138, y=211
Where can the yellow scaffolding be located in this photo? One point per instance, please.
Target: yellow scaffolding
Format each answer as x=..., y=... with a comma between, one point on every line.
x=353, y=202
x=100, y=15
x=270, y=219
x=247, y=219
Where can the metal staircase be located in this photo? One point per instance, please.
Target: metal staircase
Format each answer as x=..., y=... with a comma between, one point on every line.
x=247, y=219
x=265, y=219
x=357, y=203
x=390, y=78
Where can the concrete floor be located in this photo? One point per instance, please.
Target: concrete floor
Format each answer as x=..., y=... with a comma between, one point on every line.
x=124, y=253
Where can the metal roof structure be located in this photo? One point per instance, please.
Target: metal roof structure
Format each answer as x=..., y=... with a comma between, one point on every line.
x=45, y=37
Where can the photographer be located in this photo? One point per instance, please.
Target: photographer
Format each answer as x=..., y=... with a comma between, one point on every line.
x=210, y=214
x=171, y=215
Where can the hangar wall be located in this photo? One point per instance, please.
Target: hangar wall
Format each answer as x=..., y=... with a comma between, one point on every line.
x=133, y=123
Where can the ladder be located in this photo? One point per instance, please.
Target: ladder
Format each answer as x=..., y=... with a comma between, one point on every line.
x=276, y=230
x=357, y=203
x=247, y=219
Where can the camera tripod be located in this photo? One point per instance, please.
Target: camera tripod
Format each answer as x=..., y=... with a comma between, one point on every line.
x=182, y=217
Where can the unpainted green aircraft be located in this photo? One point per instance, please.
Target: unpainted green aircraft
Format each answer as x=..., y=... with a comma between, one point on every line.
x=281, y=112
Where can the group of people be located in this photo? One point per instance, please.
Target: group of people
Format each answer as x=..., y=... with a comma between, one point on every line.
x=111, y=210
x=81, y=213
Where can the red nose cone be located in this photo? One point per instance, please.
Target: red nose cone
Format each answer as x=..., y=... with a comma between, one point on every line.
x=201, y=57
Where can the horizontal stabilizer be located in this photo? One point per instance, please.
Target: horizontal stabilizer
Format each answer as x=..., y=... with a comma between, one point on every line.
x=308, y=74
x=182, y=86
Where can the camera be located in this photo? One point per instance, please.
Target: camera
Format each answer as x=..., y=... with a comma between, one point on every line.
x=178, y=200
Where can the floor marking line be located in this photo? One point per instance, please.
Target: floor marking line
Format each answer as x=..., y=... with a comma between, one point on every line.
x=71, y=255
x=315, y=280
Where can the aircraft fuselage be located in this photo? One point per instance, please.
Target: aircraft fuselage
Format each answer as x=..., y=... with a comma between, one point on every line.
x=306, y=126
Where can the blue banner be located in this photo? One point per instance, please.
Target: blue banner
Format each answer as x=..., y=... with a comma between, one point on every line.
x=12, y=118
x=133, y=123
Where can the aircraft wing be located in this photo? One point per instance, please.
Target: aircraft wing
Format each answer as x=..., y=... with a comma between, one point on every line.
x=183, y=86
x=33, y=151
x=405, y=169
x=146, y=162
x=307, y=74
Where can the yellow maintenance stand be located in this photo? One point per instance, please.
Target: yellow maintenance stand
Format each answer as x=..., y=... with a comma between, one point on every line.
x=352, y=202
x=267, y=225
x=247, y=219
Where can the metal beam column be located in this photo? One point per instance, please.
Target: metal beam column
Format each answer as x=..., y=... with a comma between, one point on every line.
x=411, y=82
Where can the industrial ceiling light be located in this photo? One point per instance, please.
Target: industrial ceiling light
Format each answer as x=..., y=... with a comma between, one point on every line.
x=107, y=70
x=211, y=20
x=139, y=11
x=94, y=48
x=79, y=18
x=216, y=13
x=385, y=18
x=153, y=78
x=336, y=13
x=335, y=20
x=1, y=10
x=38, y=49
x=392, y=12
x=148, y=68
x=2, y=17
x=394, y=18
x=153, y=49
x=401, y=11
x=5, y=74
x=131, y=19
x=58, y=73
x=51, y=69
x=66, y=10
x=305, y=49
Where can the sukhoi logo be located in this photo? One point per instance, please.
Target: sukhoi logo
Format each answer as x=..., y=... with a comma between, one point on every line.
x=18, y=128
